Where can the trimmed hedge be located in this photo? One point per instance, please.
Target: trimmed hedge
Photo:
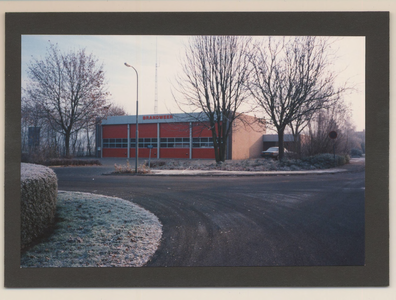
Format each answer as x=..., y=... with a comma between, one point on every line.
x=71, y=162
x=39, y=189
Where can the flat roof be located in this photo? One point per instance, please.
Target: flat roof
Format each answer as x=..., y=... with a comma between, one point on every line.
x=156, y=118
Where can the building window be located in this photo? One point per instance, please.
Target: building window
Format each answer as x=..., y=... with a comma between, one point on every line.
x=175, y=142
x=164, y=143
x=144, y=142
x=203, y=142
x=115, y=143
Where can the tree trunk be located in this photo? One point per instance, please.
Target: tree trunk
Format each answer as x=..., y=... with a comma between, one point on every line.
x=67, y=144
x=222, y=150
x=297, y=144
x=281, y=143
x=88, y=142
x=216, y=146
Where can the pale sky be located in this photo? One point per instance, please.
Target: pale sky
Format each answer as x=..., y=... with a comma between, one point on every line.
x=140, y=52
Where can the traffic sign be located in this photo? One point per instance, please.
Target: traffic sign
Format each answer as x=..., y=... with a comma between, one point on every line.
x=333, y=135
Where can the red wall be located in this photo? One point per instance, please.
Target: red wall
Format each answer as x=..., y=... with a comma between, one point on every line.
x=183, y=130
x=203, y=153
x=145, y=130
x=175, y=130
x=118, y=152
x=144, y=152
x=115, y=131
x=199, y=130
x=175, y=153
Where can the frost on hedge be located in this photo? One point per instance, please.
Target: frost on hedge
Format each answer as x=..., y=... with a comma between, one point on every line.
x=39, y=187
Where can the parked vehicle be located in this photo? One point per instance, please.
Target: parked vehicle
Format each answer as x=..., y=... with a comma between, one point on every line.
x=273, y=152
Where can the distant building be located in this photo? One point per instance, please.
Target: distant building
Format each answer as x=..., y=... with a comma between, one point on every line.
x=175, y=136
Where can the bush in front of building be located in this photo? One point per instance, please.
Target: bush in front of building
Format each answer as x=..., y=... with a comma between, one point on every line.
x=127, y=169
x=155, y=164
x=320, y=161
x=39, y=188
x=37, y=158
x=325, y=160
x=71, y=162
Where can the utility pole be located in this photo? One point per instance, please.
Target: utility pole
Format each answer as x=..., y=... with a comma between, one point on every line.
x=156, y=79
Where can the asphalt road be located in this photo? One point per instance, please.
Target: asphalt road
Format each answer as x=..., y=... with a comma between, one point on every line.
x=308, y=220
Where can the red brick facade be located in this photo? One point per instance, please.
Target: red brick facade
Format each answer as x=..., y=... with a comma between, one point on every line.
x=171, y=138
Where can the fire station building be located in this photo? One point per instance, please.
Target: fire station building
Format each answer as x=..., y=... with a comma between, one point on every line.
x=175, y=136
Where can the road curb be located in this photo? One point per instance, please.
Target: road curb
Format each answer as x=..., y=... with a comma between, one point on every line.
x=243, y=173
x=229, y=173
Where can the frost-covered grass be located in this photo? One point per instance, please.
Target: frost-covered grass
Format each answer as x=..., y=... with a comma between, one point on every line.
x=39, y=186
x=96, y=231
x=321, y=161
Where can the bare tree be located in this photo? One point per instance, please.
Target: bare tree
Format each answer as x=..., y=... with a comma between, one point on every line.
x=112, y=110
x=213, y=81
x=69, y=87
x=335, y=118
x=90, y=127
x=302, y=120
x=32, y=115
x=291, y=80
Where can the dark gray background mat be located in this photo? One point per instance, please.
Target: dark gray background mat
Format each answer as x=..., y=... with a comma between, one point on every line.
x=373, y=25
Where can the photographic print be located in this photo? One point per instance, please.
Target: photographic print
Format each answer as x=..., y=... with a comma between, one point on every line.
x=231, y=155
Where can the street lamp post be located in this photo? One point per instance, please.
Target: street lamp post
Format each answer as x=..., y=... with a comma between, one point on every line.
x=137, y=116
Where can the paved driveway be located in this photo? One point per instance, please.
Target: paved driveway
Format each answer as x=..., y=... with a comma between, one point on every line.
x=243, y=221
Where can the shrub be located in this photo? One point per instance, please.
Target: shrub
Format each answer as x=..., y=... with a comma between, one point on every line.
x=356, y=152
x=38, y=158
x=127, y=169
x=39, y=187
x=71, y=162
x=155, y=164
x=325, y=160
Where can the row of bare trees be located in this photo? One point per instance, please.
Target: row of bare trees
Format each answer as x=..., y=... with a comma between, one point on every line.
x=288, y=80
x=65, y=95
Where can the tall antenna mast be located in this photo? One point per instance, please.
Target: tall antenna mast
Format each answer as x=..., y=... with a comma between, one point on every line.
x=156, y=80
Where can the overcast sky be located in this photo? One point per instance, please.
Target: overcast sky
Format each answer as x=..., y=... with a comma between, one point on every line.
x=140, y=52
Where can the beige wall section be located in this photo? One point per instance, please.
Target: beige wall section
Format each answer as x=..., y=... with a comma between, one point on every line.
x=247, y=138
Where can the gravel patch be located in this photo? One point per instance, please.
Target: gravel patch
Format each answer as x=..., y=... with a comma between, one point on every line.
x=96, y=231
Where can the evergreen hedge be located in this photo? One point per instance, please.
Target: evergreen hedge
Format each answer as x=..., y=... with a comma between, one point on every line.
x=39, y=188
